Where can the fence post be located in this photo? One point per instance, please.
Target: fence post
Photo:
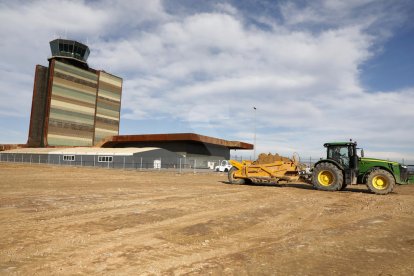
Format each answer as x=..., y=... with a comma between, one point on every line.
x=180, y=165
x=123, y=166
x=140, y=168
x=195, y=164
x=31, y=159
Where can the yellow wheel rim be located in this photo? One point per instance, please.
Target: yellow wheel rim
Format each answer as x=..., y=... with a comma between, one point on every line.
x=325, y=178
x=379, y=182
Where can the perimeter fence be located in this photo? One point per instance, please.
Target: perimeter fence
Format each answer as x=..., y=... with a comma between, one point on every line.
x=138, y=163
x=114, y=162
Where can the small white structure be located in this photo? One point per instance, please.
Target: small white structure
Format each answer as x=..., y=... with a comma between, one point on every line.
x=157, y=164
x=211, y=164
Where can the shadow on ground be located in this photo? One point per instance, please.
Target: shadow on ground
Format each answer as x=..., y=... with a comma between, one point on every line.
x=298, y=186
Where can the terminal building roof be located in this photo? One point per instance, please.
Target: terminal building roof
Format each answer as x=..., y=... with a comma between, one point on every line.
x=122, y=140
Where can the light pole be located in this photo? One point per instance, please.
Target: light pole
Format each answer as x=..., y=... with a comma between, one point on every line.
x=254, y=138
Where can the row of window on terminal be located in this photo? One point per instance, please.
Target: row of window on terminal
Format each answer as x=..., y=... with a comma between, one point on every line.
x=100, y=158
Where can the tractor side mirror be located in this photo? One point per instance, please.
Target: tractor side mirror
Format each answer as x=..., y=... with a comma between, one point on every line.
x=362, y=153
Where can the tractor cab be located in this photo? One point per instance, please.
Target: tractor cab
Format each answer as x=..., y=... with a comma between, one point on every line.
x=343, y=154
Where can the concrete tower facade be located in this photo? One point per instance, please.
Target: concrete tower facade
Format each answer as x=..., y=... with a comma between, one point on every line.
x=73, y=104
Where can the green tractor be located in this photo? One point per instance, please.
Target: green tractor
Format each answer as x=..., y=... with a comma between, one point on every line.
x=343, y=167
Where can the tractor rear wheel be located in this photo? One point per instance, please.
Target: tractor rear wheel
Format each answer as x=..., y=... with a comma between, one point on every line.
x=327, y=177
x=232, y=179
x=380, y=182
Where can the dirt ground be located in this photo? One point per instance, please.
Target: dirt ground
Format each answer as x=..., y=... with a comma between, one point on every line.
x=65, y=220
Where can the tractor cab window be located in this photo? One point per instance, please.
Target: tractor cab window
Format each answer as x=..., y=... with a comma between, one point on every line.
x=340, y=154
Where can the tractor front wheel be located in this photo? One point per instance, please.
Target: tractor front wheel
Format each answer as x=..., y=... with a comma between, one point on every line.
x=380, y=182
x=327, y=177
x=232, y=179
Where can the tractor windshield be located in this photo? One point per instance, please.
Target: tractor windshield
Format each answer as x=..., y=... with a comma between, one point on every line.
x=340, y=154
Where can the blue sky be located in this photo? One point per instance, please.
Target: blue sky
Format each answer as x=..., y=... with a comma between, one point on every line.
x=317, y=71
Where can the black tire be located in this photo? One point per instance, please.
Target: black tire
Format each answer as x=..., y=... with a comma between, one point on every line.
x=232, y=179
x=327, y=177
x=343, y=186
x=226, y=170
x=380, y=182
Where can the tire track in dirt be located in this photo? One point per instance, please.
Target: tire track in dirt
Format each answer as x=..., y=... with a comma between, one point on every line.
x=162, y=257
x=128, y=236
x=55, y=226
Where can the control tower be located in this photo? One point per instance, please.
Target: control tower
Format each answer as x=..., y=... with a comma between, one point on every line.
x=73, y=104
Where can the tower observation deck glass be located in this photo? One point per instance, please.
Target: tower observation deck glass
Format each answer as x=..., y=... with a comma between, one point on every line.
x=69, y=48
